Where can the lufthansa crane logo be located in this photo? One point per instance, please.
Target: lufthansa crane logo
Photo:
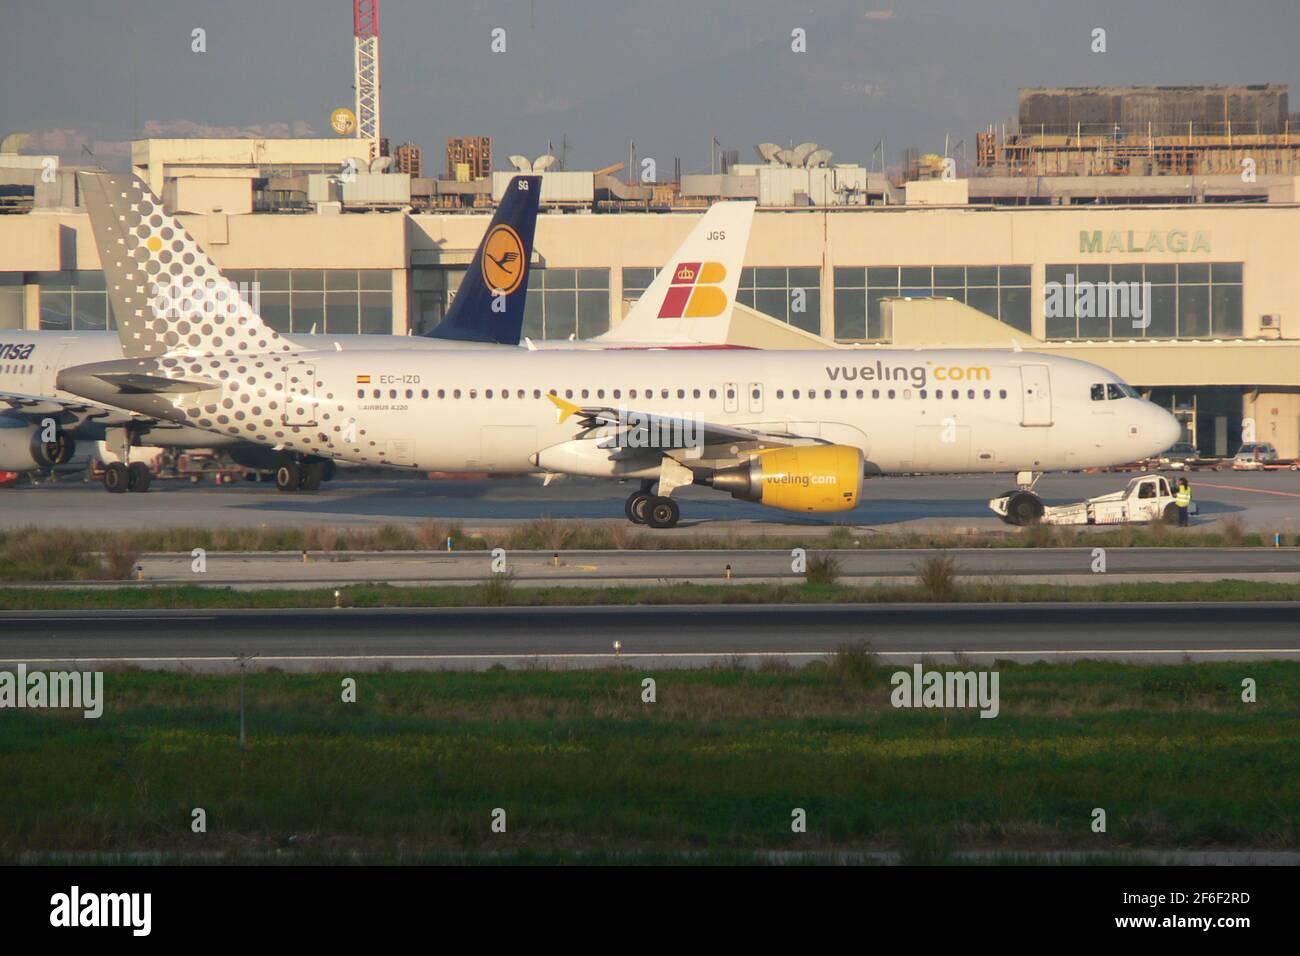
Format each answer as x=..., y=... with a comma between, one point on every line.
x=503, y=260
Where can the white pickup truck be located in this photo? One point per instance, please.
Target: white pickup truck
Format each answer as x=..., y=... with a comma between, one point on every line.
x=1148, y=498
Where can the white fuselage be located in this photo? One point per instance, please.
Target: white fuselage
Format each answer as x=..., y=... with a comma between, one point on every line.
x=487, y=410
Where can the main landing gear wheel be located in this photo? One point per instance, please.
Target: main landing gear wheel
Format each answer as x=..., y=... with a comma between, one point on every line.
x=1024, y=507
x=140, y=476
x=117, y=478
x=288, y=477
x=635, y=506
x=662, y=512
x=312, y=475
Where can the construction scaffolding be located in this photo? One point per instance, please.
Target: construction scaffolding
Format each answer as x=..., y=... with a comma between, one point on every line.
x=1146, y=131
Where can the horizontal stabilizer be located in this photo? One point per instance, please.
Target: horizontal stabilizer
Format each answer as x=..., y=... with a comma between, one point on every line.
x=138, y=383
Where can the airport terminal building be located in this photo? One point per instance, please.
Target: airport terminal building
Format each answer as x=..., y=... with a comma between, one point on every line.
x=937, y=263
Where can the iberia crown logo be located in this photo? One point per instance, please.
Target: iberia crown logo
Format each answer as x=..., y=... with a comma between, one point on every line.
x=503, y=260
x=694, y=293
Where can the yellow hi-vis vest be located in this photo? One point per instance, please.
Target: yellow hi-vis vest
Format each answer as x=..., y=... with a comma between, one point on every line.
x=1184, y=496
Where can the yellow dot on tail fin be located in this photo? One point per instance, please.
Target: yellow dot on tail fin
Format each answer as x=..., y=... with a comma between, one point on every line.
x=154, y=243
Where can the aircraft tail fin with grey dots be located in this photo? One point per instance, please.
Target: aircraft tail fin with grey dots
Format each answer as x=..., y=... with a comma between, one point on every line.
x=168, y=296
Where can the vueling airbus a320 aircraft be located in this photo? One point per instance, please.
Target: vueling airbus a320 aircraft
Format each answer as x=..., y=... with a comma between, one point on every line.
x=792, y=430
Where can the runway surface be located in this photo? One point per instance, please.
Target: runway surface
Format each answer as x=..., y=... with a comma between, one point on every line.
x=602, y=568
x=660, y=636
x=940, y=502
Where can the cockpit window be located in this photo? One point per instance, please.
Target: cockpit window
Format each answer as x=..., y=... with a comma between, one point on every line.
x=1099, y=393
x=1113, y=391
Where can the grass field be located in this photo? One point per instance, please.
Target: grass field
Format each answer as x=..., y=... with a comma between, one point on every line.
x=499, y=592
x=34, y=554
x=579, y=763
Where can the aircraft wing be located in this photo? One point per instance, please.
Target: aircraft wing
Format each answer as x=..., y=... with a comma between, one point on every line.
x=39, y=406
x=628, y=433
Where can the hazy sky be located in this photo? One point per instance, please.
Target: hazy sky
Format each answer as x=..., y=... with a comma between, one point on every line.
x=669, y=74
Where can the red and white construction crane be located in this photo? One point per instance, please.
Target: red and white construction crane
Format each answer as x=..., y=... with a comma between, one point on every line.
x=365, y=30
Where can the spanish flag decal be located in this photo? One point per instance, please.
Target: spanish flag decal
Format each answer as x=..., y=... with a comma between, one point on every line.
x=363, y=379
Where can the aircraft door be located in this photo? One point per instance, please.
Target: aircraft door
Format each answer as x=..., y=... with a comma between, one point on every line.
x=299, y=395
x=1036, y=393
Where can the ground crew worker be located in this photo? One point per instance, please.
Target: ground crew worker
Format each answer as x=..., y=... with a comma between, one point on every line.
x=1183, y=501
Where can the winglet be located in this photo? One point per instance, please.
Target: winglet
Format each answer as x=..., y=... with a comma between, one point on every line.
x=563, y=409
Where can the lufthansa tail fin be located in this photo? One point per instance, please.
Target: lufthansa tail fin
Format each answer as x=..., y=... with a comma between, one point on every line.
x=489, y=306
x=692, y=297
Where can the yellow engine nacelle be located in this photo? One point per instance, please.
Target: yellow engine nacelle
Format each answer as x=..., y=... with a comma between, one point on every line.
x=803, y=478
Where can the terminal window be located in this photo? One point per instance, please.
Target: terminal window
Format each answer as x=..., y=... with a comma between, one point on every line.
x=325, y=301
x=566, y=302
x=74, y=301
x=11, y=300
x=791, y=294
x=1001, y=292
x=1187, y=300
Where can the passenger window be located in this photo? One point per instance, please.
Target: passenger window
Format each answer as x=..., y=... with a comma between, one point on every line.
x=618, y=393
x=663, y=393
x=795, y=393
x=378, y=393
x=924, y=394
x=907, y=393
x=987, y=393
x=844, y=393
x=537, y=393
x=681, y=393
x=424, y=393
x=600, y=393
x=568, y=393
x=455, y=393
x=585, y=393
x=780, y=393
x=859, y=393
x=875, y=393
x=713, y=393
x=442, y=393
x=1002, y=393
x=970, y=393
x=891, y=393
x=361, y=393
x=631, y=393
x=410, y=394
